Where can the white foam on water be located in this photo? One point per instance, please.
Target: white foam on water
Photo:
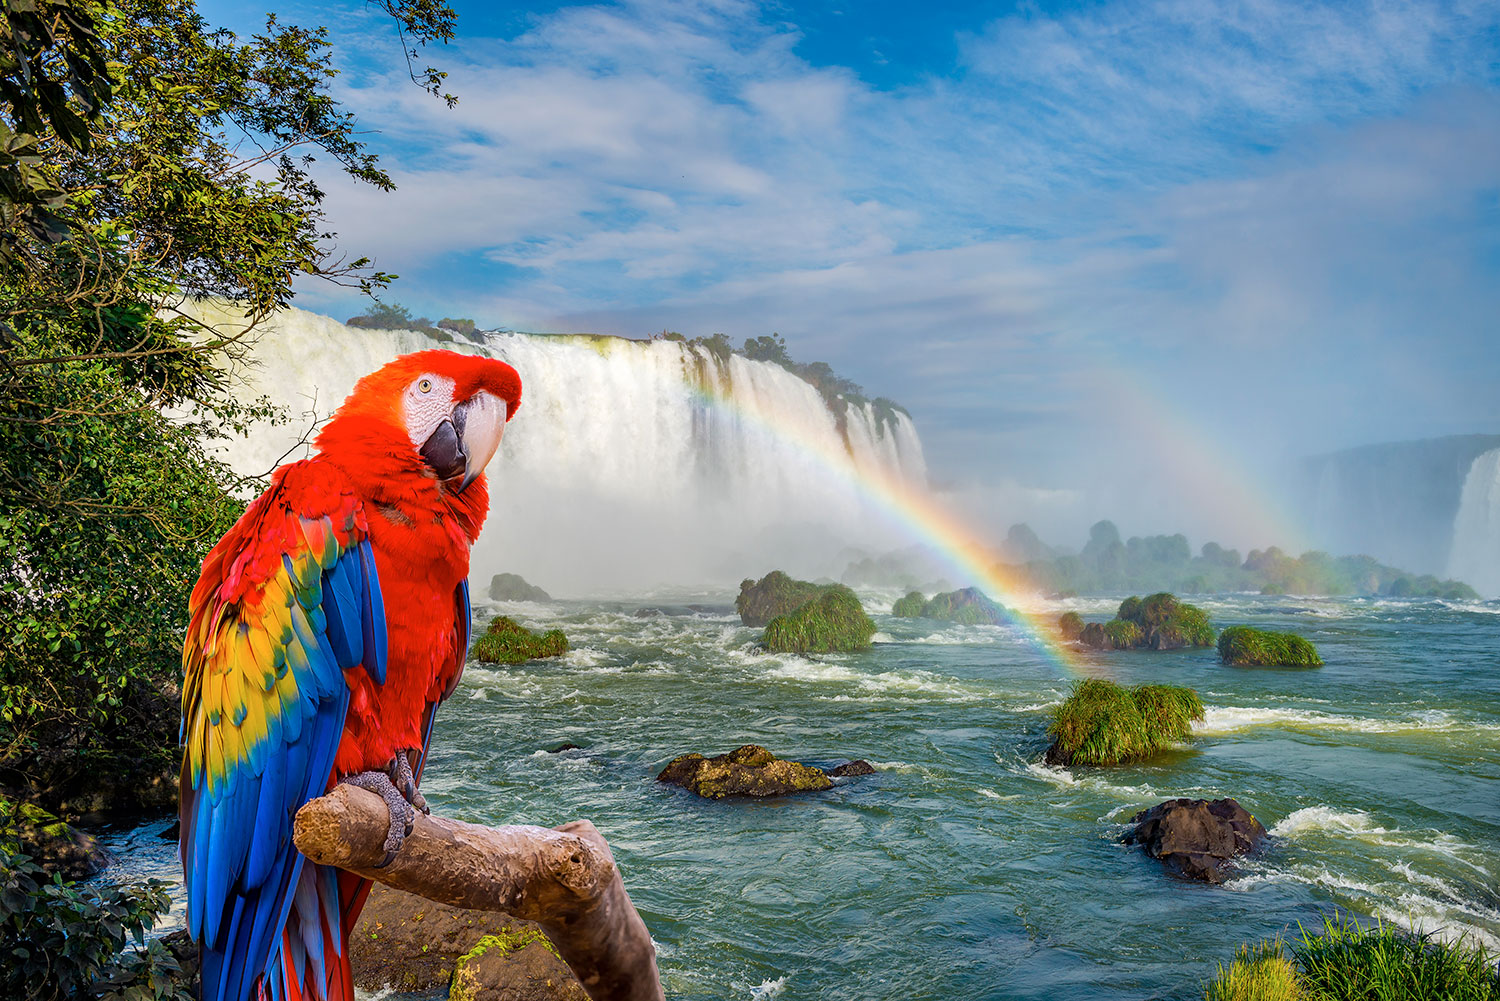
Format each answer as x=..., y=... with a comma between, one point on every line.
x=992, y=794
x=1231, y=719
x=1323, y=818
x=769, y=988
x=797, y=669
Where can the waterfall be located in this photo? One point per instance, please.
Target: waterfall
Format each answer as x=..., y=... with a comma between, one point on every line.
x=618, y=474
x=1475, y=558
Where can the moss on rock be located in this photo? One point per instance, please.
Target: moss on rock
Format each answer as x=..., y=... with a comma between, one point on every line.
x=506, y=642
x=969, y=606
x=774, y=595
x=1102, y=723
x=834, y=622
x=909, y=607
x=750, y=770
x=1247, y=647
x=52, y=843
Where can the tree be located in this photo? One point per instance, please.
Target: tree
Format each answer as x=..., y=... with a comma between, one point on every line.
x=145, y=160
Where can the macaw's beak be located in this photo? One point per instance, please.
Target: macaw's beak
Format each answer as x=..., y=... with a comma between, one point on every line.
x=464, y=443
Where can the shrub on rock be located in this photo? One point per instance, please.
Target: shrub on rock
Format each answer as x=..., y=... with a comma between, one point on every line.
x=1247, y=647
x=506, y=642
x=969, y=606
x=1070, y=624
x=909, y=607
x=1157, y=622
x=773, y=595
x=1102, y=723
x=835, y=622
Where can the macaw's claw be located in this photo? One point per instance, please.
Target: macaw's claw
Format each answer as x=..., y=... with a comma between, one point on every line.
x=401, y=775
x=403, y=816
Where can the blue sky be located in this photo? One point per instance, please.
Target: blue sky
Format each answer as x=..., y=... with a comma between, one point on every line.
x=1277, y=223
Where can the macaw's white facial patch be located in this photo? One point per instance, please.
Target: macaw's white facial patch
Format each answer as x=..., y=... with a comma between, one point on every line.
x=427, y=403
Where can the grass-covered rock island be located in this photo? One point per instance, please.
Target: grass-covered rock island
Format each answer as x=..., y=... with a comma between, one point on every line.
x=1243, y=646
x=833, y=622
x=969, y=606
x=508, y=642
x=1157, y=622
x=1102, y=723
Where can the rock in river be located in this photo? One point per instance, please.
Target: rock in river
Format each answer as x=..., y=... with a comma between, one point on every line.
x=1196, y=838
x=746, y=771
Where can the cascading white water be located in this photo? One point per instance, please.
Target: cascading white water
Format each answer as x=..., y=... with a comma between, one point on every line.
x=621, y=472
x=1475, y=557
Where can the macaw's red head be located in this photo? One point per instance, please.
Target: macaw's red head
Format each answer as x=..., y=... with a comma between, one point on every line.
x=435, y=414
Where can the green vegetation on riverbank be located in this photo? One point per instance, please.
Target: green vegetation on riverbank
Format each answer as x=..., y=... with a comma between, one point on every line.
x=1102, y=723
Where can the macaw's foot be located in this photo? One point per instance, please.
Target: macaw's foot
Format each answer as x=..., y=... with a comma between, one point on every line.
x=403, y=816
x=401, y=775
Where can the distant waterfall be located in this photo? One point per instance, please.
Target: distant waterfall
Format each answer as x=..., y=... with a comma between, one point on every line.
x=1475, y=558
x=617, y=473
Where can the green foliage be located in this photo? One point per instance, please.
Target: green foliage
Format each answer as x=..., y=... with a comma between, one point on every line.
x=832, y=622
x=63, y=941
x=1102, y=723
x=1259, y=973
x=506, y=642
x=1345, y=962
x=1070, y=624
x=1158, y=621
x=910, y=606
x=1247, y=647
x=969, y=606
x=774, y=594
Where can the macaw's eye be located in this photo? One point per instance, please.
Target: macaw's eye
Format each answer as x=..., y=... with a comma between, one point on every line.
x=425, y=386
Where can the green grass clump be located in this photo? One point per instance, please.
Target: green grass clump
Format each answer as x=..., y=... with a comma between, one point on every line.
x=1102, y=723
x=1158, y=621
x=1248, y=647
x=1122, y=635
x=833, y=622
x=1345, y=961
x=1258, y=973
x=507, y=642
x=909, y=607
x=1070, y=624
x=774, y=594
x=970, y=607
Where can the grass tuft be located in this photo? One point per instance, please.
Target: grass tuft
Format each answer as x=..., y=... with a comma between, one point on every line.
x=1246, y=647
x=909, y=607
x=1102, y=723
x=1259, y=973
x=834, y=621
x=1345, y=962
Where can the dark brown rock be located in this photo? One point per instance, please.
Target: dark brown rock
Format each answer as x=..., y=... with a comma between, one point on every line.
x=858, y=767
x=410, y=943
x=750, y=770
x=1196, y=838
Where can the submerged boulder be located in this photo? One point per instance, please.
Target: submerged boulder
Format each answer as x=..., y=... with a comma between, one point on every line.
x=750, y=770
x=1246, y=647
x=513, y=587
x=850, y=769
x=1196, y=838
x=507, y=642
x=411, y=944
x=774, y=595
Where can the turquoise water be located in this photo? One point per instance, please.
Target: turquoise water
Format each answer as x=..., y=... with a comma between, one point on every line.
x=963, y=867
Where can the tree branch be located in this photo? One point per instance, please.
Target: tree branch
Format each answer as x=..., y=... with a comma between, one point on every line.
x=562, y=878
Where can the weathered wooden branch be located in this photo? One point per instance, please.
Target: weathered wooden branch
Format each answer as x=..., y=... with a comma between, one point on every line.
x=562, y=878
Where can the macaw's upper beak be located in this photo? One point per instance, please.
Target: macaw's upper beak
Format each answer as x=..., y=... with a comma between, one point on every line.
x=463, y=444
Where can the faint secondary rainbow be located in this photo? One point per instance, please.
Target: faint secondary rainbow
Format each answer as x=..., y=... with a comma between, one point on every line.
x=920, y=516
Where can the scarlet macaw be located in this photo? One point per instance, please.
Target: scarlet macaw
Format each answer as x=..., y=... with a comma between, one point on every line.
x=326, y=626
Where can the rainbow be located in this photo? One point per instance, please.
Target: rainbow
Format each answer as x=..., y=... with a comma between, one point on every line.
x=919, y=515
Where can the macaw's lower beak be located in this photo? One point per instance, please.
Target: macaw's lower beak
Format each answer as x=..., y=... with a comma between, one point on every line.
x=463, y=444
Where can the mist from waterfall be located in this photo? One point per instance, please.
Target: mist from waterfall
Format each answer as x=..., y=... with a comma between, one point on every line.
x=1475, y=558
x=618, y=474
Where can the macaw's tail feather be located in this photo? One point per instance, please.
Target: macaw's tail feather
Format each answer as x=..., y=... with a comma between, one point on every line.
x=312, y=963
